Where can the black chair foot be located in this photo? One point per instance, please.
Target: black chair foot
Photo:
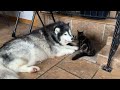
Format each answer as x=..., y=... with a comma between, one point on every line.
x=106, y=68
x=13, y=35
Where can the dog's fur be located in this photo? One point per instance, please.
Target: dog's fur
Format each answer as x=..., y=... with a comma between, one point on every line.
x=21, y=54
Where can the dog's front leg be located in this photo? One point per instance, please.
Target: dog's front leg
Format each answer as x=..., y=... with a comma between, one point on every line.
x=72, y=47
x=64, y=51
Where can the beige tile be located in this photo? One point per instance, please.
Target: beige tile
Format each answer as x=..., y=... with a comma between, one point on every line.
x=44, y=66
x=57, y=73
x=102, y=57
x=5, y=31
x=80, y=67
x=102, y=60
x=92, y=30
x=101, y=74
x=78, y=25
x=105, y=50
x=5, y=38
x=109, y=40
x=59, y=18
x=109, y=30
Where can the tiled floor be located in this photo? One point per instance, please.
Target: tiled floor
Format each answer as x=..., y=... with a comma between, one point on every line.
x=58, y=68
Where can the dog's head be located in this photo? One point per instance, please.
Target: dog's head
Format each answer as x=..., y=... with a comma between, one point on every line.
x=63, y=33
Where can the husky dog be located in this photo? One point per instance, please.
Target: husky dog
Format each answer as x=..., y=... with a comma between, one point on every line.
x=21, y=54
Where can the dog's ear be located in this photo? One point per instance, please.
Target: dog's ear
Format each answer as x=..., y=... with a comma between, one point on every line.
x=57, y=30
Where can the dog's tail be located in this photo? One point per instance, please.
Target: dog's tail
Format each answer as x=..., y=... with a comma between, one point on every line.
x=6, y=73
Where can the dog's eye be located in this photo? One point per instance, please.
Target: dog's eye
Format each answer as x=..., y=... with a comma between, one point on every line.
x=65, y=34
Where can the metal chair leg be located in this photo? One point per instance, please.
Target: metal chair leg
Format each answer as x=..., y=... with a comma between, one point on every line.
x=16, y=24
x=114, y=45
x=52, y=16
x=40, y=18
x=32, y=22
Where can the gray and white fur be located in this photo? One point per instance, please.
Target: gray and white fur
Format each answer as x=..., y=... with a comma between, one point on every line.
x=23, y=53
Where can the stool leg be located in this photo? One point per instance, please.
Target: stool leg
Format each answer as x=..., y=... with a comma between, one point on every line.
x=52, y=16
x=32, y=21
x=16, y=24
x=40, y=18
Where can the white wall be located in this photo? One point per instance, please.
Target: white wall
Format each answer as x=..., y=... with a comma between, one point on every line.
x=24, y=14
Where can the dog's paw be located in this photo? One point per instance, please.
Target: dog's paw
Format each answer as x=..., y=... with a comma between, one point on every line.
x=70, y=51
x=65, y=52
x=34, y=69
x=75, y=47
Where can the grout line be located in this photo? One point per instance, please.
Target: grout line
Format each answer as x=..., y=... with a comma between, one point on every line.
x=94, y=74
x=103, y=32
x=69, y=72
x=51, y=67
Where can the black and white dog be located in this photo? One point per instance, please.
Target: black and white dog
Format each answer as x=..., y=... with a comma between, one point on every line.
x=21, y=54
